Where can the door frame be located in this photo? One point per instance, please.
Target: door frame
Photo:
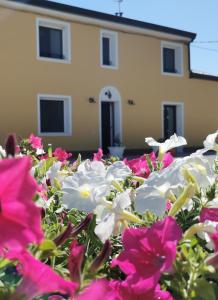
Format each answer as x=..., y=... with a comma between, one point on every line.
x=179, y=117
x=116, y=98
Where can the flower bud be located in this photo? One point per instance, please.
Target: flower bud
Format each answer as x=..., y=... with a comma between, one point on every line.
x=10, y=145
x=82, y=226
x=102, y=256
x=75, y=261
x=59, y=240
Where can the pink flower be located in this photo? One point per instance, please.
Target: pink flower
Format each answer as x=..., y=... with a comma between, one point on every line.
x=98, y=155
x=168, y=205
x=167, y=159
x=120, y=290
x=20, y=219
x=39, y=278
x=75, y=260
x=61, y=154
x=99, y=290
x=148, y=252
x=139, y=166
x=35, y=142
x=210, y=214
x=124, y=291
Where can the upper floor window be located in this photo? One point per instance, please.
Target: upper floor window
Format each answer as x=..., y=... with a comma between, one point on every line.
x=172, y=58
x=54, y=115
x=109, y=49
x=53, y=40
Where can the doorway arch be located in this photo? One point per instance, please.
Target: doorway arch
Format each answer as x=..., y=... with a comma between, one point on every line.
x=110, y=117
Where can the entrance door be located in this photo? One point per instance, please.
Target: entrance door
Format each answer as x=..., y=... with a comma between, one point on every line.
x=107, y=125
x=170, y=120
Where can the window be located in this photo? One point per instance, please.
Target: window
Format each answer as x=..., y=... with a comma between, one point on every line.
x=54, y=115
x=53, y=40
x=109, y=56
x=172, y=58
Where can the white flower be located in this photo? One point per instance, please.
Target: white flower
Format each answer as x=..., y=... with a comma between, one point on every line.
x=108, y=216
x=208, y=229
x=40, y=151
x=152, y=195
x=54, y=172
x=2, y=152
x=92, y=168
x=118, y=171
x=83, y=192
x=173, y=142
x=210, y=143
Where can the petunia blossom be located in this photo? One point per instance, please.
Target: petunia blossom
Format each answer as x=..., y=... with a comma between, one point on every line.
x=98, y=156
x=38, y=278
x=35, y=142
x=61, y=154
x=148, y=252
x=20, y=219
x=173, y=142
x=111, y=215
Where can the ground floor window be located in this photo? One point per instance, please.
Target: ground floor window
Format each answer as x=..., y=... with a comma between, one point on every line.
x=172, y=119
x=54, y=115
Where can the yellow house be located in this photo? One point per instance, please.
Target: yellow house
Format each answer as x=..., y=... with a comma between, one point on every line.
x=83, y=79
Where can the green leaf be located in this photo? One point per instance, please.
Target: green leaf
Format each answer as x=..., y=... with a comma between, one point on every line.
x=205, y=290
x=47, y=245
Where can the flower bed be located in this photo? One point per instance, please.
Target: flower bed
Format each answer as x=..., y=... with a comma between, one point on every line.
x=108, y=229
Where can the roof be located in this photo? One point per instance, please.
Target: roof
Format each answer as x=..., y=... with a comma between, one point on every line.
x=64, y=8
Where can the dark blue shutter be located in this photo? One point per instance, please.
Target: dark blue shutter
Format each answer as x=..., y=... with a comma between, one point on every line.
x=51, y=42
x=52, y=115
x=169, y=60
x=106, y=51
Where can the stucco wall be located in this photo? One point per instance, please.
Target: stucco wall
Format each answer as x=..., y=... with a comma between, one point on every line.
x=138, y=77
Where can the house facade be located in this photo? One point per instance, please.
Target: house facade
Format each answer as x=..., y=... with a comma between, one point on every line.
x=83, y=79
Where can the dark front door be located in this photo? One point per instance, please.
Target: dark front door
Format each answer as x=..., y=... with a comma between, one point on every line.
x=169, y=120
x=107, y=125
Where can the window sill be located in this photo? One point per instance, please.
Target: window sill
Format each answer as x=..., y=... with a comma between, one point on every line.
x=55, y=134
x=109, y=67
x=54, y=60
x=172, y=74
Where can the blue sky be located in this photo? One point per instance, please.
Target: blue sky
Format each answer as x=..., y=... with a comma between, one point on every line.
x=199, y=16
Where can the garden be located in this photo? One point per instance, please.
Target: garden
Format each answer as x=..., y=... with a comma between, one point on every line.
x=104, y=228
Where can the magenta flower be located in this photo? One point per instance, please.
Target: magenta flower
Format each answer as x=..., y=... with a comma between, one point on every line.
x=75, y=260
x=210, y=214
x=98, y=156
x=61, y=154
x=20, y=219
x=35, y=142
x=139, y=166
x=38, y=278
x=148, y=252
x=99, y=290
x=167, y=160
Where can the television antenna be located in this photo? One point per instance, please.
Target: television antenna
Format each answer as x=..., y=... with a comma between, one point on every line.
x=119, y=13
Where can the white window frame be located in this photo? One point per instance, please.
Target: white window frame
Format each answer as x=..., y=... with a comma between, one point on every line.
x=179, y=116
x=113, y=36
x=179, y=59
x=56, y=24
x=67, y=114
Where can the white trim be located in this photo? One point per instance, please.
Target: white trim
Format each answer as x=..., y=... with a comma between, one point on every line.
x=179, y=116
x=113, y=36
x=117, y=111
x=57, y=24
x=67, y=114
x=92, y=21
x=179, y=57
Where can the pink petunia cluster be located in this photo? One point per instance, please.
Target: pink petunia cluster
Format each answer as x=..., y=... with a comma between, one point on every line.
x=35, y=142
x=140, y=166
x=61, y=154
